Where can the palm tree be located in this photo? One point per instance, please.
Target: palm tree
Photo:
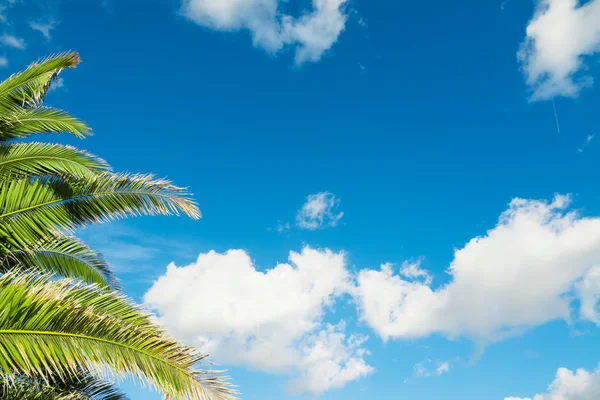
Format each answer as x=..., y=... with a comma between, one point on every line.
x=52, y=330
x=63, y=327
x=77, y=387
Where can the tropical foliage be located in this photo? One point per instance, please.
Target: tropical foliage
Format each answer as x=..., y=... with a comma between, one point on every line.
x=64, y=325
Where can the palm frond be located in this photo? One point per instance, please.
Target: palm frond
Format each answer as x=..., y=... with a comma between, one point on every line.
x=48, y=330
x=27, y=88
x=21, y=123
x=64, y=256
x=31, y=209
x=75, y=387
x=48, y=159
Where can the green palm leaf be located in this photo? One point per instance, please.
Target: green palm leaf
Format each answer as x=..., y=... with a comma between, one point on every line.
x=31, y=209
x=48, y=159
x=75, y=387
x=28, y=88
x=20, y=123
x=65, y=256
x=49, y=330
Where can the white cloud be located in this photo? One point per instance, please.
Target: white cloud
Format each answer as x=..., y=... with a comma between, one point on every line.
x=413, y=271
x=559, y=37
x=490, y=295
x=588, y=140
x=430, y=367
x=3, y=61
x=283, y=227
x=57, y=84
x=12, y=41
x=271, y=320
x=330, y=361
x=589, y=292
x=581, y=385
x=318, y=212
x=4, y=7
x=44, y=28
x=311, y=34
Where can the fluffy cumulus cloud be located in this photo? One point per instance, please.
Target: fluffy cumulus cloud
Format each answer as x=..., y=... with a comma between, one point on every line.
x=490, y=295
x=271, y=320
x=311, y=34
x=319, y=212
x=559, y=37
x=569, y=385
x=589, y=292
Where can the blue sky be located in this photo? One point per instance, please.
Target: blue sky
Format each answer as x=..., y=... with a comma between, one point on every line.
x=400, y=199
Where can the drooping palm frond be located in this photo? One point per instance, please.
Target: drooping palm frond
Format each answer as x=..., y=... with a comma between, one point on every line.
x=31, y=209
x=48, y=159
x=21, y=123
x=75, y=387
x=27, y=88
x=49, y=329
x=64, y=256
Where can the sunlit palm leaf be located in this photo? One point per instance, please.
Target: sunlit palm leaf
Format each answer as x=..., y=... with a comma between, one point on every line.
x=65, y=256
x=49, y=329
x=31, y=209
x=21, y=123
x=28, y=88
x=48, y=159
x=75, y=387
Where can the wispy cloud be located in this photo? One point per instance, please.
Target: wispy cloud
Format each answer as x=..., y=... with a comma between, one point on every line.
x=12, y=41
x=413, y=271
x=588, y=140
x=57, y=84
x=45, y=28
x=429, y=367
x=3, y=61
x=4, y=6
x=319, y=212
x=131, y=251
x=283, y=227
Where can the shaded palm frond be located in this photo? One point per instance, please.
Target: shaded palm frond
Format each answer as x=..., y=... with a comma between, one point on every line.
x=31, y=209
x=75, y=387
x=64, y=256
x=27, y=88
x=48, y=159
x=21, y=123
x=49, y=330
